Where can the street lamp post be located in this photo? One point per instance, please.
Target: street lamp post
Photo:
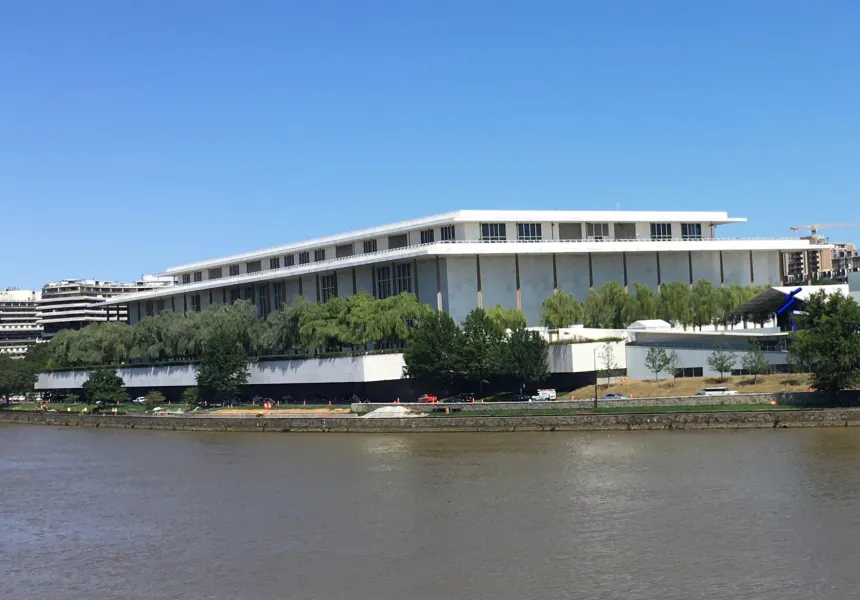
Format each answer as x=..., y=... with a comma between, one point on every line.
x=594, y=352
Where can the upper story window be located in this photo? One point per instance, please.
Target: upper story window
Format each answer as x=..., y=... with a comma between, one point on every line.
x=369, y=246
x=275, y=263
x=404, y=277
x=661, y=231
x=319, y=255
x=289, y=260
x=446, y=234
x=254, y=266
x=691, y=231
x=304, y=258
x=215, y=273
x=234, y=270
x=198, y=276
x=328, y=287
x=527, y=232
x=427, y=236
x=186, y=278
x=597, y=231
x=493, y=232
x=398, y=241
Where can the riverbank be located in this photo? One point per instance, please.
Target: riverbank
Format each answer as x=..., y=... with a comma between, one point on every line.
x=573, y=422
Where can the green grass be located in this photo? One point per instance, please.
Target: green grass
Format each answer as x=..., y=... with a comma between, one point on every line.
x=76, y=408
x=552, y=412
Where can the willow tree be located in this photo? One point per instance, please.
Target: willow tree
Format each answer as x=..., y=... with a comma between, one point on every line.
x=561, y=310
x=507, y=318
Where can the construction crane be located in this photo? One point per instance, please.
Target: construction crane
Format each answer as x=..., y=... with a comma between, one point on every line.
x=813, y=229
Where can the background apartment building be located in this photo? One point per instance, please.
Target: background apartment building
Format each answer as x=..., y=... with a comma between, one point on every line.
x=803, y=266
x=19, y=327
x=75, y=303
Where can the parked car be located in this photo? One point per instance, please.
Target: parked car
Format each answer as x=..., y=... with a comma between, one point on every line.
x=428, y=398
x=716, y=391
x=140, y=400
x=544, y=396
x=614, y=397
x=521, y=398
x=464, y=397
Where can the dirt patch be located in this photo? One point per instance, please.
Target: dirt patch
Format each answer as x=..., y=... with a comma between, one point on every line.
x=240, y=412
x=793, y=382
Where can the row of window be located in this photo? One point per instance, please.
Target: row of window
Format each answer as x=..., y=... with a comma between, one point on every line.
x=490, y=232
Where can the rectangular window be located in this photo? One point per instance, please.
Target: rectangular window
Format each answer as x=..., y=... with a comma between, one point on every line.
x=195, y=302
x=446, y=234
x=570, y=231
x=343, y=251
x=186, y=278
x=383, y=282
x=689, y=372
x=661, y=231
x=427, y=236
x=369, y=246
x=304, y=258
x=404, y=277
x=160, y=305
x=275, y=263
x=597, y=231
x=148, y=308
x=691, y=231
x=493, y=232
x=328, y=287
x=319, y=255
x=234, y=295
x=528, y=232
x=215, y=273
x=398, y=241
x=248, y=294
x=263, y=301
x=253, y=267
x=289, y=260
x=198, y=276
x=234, y=270
x=277, y=295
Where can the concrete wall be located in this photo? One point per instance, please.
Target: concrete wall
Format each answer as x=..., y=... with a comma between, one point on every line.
x=637, y=370
x=535, y=285
x=580, y=358
x=572, y=272
x=765, y=419
x=381, y=367
x=461, y=286
x=499, y=281
x=427, y=282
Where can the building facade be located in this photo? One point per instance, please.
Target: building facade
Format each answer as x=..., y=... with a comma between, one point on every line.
x=835, y=262
x=462, y=260
x=74, y=303
x=19, y=326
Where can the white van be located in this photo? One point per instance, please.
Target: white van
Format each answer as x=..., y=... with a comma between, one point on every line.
x=544, y=396
x=716, y=391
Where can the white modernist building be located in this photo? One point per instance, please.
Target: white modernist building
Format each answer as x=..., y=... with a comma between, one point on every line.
x=19, y=327
x=466, y=259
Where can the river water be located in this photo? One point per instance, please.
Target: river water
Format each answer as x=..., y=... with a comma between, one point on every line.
x=91, y=514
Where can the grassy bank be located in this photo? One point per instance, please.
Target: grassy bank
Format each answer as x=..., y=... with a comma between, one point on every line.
x=554, y=412
x=765, y=384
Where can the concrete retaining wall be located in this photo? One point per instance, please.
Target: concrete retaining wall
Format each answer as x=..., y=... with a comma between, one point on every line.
x=809, y=399
x=721, y=420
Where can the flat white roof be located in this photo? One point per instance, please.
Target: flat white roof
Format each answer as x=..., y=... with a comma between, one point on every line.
x=471, y=216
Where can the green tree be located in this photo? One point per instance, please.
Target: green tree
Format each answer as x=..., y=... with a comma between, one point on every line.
x=606, y=361
x=154, y=398
x=481, y=348
x=283, y=327
x=561, y=310
x=223, y=366
x=507, y=318
x=705, y=307
x=675, y=304
x=17, y=377
x=604, y=307
x=190, y=396
x=755, y=362
x=721, y=360
x=432, y=352
x=641, y=304
x=657, y=361
x=673, y=363
x=829, y=342
x=525, y=356
x=104, y=385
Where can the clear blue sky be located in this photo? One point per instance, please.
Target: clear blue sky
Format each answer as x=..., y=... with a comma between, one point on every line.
x=139, y=135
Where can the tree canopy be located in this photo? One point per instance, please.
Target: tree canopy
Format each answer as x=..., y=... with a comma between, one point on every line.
x=828, y=342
